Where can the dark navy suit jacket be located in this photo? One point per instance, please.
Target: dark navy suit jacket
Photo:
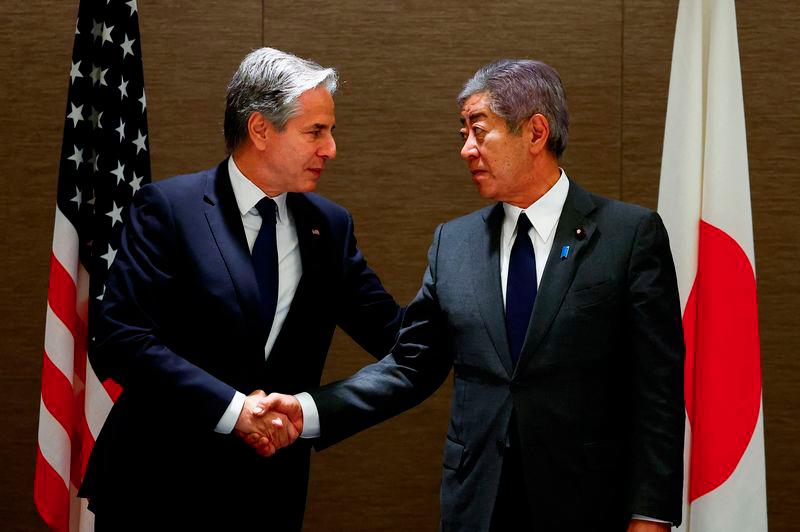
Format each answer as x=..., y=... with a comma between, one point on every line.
x=597, y=393
x=181, y=330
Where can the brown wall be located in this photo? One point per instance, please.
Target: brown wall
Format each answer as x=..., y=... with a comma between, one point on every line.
x=398, y=171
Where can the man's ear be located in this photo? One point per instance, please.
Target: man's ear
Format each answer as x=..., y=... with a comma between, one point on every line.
x=537, y=128
x=259, y=130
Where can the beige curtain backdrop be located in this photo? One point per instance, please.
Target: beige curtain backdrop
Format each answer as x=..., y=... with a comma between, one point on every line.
x=398, y=171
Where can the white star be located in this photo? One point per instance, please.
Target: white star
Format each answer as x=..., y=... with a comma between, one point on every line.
x=133, y=6
x=97, y=29
x=115, y=214
x=101, y=296
x=119, y=172
x=121, y=130
x=78, y=197
x=107, y=34
x=77, y=157
x=136, y=183
x=75, y=72
x=91, y=201
x=144, y=101
x=93, y=160
x=109, y=256
x=123, y=88
x=95, y=163
x=75, y=115
x=77, y=32
x=95, y=119
x=127, y=46
x=103, y=77
x=140, y=142
x=95, y=74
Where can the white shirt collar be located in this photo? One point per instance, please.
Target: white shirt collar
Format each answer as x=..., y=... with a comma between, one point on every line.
x=248, y=194
x=543, y=213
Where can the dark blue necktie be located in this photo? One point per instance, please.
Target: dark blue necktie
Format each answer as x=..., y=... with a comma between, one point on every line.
x=520, y=287
x=265, y=259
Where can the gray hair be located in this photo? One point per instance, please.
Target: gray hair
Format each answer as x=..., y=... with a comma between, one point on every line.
x=270, y=82
x=519, y=89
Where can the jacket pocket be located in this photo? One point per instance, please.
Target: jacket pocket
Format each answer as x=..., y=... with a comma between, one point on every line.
x=453, y=454
x=585, y=297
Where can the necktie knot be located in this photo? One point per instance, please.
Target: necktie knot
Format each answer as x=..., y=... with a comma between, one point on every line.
x=523, y=224
x=267, y=208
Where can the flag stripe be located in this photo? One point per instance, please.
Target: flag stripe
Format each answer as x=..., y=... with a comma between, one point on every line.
x=59, y=345
x=50, y=494
x=65, y=244
x=98, y=403
x=54, y=444
x=57, y=394
x=62, y=297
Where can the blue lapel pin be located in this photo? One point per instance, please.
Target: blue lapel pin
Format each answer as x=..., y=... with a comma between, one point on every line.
x=564, y=252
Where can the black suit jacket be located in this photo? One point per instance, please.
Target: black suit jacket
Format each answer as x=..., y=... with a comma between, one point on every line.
x=181, y=330
x=597, y=393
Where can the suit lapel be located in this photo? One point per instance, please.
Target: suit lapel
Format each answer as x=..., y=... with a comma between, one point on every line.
x=225, y=222
x=558, y=273
x=308, y=223
x=488, y=289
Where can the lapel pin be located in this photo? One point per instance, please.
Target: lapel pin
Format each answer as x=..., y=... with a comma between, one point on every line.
x=580, y=233
x=315, y=232
x=564, y=252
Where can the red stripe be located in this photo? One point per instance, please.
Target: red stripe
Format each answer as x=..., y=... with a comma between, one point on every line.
x=113, y=389
x=62, y=297
x=57, y=394
x=723, y=369
x=50, y=495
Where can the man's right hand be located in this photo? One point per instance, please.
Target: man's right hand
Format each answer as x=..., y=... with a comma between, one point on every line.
x=265, y=430
x=285, y=408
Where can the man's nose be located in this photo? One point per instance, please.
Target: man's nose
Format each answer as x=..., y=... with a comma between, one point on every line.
x=469, y=150
x=328, y=149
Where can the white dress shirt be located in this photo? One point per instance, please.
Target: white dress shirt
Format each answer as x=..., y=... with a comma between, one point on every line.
x=543, y=215
x=290, y=269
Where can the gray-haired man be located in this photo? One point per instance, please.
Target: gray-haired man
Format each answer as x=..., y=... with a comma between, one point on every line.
x=558, y=311
x=228, y=282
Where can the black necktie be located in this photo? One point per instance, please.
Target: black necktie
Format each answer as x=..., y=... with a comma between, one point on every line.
x=520, y=287
x=265, y=259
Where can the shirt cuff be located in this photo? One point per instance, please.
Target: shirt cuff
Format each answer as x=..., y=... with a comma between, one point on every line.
x=651, y=519
x=228, y=420
x=310, y=416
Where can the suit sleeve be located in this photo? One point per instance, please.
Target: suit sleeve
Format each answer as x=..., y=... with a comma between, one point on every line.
x=416, y=367
x=131, y=346
x=368, y=314
x=657, y=351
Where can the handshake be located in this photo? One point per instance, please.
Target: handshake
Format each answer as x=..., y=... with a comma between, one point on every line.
x=269, y=423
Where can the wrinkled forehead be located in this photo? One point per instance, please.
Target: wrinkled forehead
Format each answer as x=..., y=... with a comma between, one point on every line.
x=477, y=107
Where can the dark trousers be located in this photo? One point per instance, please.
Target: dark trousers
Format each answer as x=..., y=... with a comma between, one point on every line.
x=512, y=508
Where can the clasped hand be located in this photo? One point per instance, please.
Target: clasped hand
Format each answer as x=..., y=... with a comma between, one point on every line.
x=269, y=423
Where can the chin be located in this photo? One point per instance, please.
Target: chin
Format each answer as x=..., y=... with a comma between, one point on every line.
x=487, y=192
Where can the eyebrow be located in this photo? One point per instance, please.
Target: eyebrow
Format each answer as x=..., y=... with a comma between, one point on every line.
x=473, y=117
x=322, y=126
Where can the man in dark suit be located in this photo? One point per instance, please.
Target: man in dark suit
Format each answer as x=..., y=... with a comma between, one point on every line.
x=228, y=282
x=558, y=311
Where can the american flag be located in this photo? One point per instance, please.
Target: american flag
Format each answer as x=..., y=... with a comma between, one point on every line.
x=104, y=161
